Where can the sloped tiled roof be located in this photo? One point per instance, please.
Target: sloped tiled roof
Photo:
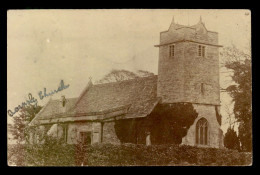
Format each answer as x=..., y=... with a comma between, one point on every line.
x=138, y=95
x=135, y=92
x=54, y=107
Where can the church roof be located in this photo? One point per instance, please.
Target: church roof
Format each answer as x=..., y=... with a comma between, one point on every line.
x=139, y=93
x=137, y=96
x=54, y=107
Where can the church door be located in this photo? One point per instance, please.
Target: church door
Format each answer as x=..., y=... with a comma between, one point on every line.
x=85, y=138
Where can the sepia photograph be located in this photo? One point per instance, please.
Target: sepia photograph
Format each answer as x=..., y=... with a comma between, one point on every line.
x=129, y=87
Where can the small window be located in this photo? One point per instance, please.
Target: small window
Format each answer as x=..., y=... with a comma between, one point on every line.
x=201, y=51
x=171, y=51
x=66, y=133
x=202, y=88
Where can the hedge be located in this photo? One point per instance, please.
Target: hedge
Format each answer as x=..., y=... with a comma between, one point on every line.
x=124, y=155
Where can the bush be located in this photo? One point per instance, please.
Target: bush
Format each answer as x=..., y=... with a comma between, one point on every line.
x=172, y=123
x=231, y=140
x=123, y=155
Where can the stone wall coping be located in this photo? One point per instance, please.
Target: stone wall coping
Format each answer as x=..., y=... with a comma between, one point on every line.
x=216, y=45
x=210, y=104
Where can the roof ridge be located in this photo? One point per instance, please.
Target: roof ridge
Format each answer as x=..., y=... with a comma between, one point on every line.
x=71, y=98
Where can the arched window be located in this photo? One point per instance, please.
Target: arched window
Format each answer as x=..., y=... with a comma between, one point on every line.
x=202, y=132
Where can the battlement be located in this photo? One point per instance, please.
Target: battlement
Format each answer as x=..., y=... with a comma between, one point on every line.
x=196, y=33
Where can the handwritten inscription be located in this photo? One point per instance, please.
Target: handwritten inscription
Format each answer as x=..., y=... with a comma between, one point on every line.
x=32, y=100
x=60, y=88
x=28, y=102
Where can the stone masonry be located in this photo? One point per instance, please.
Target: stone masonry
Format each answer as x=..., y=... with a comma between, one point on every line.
x=188, y=77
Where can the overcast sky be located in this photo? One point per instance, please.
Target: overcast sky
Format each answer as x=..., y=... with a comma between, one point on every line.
x=47, y=46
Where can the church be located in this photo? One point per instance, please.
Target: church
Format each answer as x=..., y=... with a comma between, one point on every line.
x=188, y=72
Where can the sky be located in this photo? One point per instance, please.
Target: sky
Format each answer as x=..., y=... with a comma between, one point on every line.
x=47, y=46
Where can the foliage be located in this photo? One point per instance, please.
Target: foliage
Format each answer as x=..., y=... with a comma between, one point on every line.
x=231, y=139
x=241, y=92
x=19, y=127
x=143, y=73
x=120, y=75
x=172, y=122
x=126, y=130
x=124, y=155
x=167, y=124
x=245, y=135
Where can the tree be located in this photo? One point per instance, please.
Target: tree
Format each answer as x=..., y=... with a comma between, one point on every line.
x=126, y=130
x=170, y=123
x=19, y=128
x=231, y=139
x=241, y=92
x=120, y=75
x=144, y=73
x=166, y=124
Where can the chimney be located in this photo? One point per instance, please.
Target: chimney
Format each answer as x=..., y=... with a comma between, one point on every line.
x=63, y=100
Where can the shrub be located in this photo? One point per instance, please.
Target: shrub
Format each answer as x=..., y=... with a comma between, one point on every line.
x=231, y=140
x=122, y=155
x=172, y=123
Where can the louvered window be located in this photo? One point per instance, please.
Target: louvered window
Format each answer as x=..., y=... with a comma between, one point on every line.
x=201, y=51
x=171, y=51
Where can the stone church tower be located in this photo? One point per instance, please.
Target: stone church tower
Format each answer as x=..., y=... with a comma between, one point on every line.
x=189, y=72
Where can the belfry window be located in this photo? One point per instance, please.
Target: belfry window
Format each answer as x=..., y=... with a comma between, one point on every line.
x=201, y=51
x=171, y=51
x=202, y=132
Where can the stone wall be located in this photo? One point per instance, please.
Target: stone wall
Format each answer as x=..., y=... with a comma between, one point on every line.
x=198, y=70
x=209, y=113
x=172, y=36
x=170, y=74
x=180, y=78
x=109, y=134
x=74, y=130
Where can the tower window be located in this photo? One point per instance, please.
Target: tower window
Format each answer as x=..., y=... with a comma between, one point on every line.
x=201, y=51
x=171, y=51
